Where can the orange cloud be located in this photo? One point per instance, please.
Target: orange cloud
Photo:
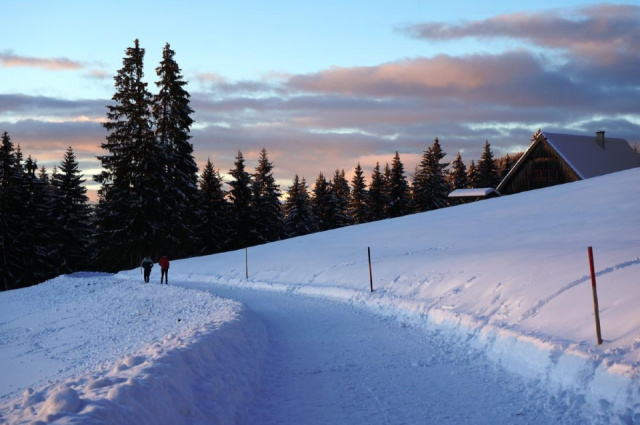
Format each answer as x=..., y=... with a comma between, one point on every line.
x=442, y=74
x=9, y=60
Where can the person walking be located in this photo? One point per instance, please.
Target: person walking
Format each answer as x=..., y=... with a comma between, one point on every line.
x=164, y=269
x=146, y=265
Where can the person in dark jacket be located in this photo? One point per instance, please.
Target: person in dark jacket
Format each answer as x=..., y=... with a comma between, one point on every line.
x=164, y=269
x=146, y=265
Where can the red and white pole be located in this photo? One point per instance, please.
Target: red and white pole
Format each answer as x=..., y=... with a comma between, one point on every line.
x=595, y=295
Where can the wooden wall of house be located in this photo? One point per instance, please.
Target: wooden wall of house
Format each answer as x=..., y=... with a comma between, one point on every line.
x=542, y=168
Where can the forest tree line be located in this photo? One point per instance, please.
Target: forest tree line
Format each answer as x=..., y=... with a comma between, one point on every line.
x=153, y=201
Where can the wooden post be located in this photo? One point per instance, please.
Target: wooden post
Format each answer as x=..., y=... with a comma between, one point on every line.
x=595, y=296
x=246, y=263
x=370, y=274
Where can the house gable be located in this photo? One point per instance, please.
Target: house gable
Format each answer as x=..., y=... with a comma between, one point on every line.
x=555, y=158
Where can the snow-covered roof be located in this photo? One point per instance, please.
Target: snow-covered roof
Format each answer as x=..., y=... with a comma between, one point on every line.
x=588, y=158
x=464, y=193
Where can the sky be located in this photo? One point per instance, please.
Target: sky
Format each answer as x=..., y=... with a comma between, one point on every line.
x=326, y=85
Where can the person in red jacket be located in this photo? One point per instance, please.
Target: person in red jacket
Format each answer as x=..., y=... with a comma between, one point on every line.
x=164, y=269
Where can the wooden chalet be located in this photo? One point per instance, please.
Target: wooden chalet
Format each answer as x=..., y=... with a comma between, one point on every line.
x=555, y=158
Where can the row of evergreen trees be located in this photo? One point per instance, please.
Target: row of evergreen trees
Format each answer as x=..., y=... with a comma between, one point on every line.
x=44, y=222
x=152, y=201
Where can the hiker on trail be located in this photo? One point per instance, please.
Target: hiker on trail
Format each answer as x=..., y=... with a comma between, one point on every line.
x=146, y=265
x=164, y=269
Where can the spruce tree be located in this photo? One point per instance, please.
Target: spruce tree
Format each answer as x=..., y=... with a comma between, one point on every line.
x=214, y=230
x=358, y=199
x=40, y=236
x=172, y=115
x=130, y=217
x=324, y=204
x=73, y=215
x=298, y=217
x=267, y=206
x=430, y=189
x=13, y=201
x=472, y=176
x=398, y=189
x=341, y=190
x=241, y=197
x=377, y=199
x=488, y=175
x=458, y=175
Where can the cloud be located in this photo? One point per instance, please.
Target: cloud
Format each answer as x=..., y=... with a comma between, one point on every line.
x=602, y=38
x=8, y=60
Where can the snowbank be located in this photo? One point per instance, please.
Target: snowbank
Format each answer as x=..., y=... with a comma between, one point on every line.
x=509, y=274
x=122, y=352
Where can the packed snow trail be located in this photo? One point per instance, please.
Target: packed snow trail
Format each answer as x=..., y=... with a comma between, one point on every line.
x=331, y=363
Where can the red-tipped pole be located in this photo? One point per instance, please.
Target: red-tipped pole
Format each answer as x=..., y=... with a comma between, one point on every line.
x=595, y=296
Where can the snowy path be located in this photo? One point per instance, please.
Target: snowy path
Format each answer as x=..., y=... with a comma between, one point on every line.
x=330, y=363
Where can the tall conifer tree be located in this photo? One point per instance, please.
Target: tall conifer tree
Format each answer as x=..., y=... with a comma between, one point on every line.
x=341, y=190
x=267, y=207
x=324, y=204
x=472, y=176
x=172, y=115
x=214, y=230
x=242, y=205
x=358, y=199
x=298, y=218
x=73, y=215
x=130, y=215
x=430, y=189
x=377, y=199
x=398, y=189
x=458, y=175
x=488, y=175
x=13, y=201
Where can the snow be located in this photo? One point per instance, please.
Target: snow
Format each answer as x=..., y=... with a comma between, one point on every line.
x=499, y=289
x=462, y=193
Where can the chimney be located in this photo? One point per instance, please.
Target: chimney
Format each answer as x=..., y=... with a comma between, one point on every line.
x=600, y=138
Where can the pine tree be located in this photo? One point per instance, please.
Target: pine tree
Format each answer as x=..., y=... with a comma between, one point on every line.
x=40, y=235
x=324, y=205
x=172, y=115
x=358, y=199
x=298, y=217
x=130, y=213
x=377, y=199
x=341, y=190
x=458, y=175
x=398, y=189
x=267, y=206
x=13, y=198
x=488, y=175
x=214, y=230
x=472, y=176
x=429, y=187
x=241, y=195
x=73, y=215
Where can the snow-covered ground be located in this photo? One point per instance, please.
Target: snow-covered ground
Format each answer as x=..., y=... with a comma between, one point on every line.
x=507, y=277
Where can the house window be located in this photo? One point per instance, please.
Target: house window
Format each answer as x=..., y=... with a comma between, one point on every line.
x=545, y=175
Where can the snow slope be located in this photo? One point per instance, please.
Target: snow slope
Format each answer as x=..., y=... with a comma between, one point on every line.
x=508, y=276
x=94, y=349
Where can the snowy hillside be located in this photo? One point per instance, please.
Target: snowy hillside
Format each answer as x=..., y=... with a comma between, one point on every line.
x=515, y=265
x=510, y=276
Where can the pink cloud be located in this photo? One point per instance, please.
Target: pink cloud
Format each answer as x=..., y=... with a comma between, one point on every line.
x=9, y=60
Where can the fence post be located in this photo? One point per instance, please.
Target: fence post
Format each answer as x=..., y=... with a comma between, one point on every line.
x=370, y=274
x=595, y=295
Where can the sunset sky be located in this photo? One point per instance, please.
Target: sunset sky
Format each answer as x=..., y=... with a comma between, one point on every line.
x=325, y=85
